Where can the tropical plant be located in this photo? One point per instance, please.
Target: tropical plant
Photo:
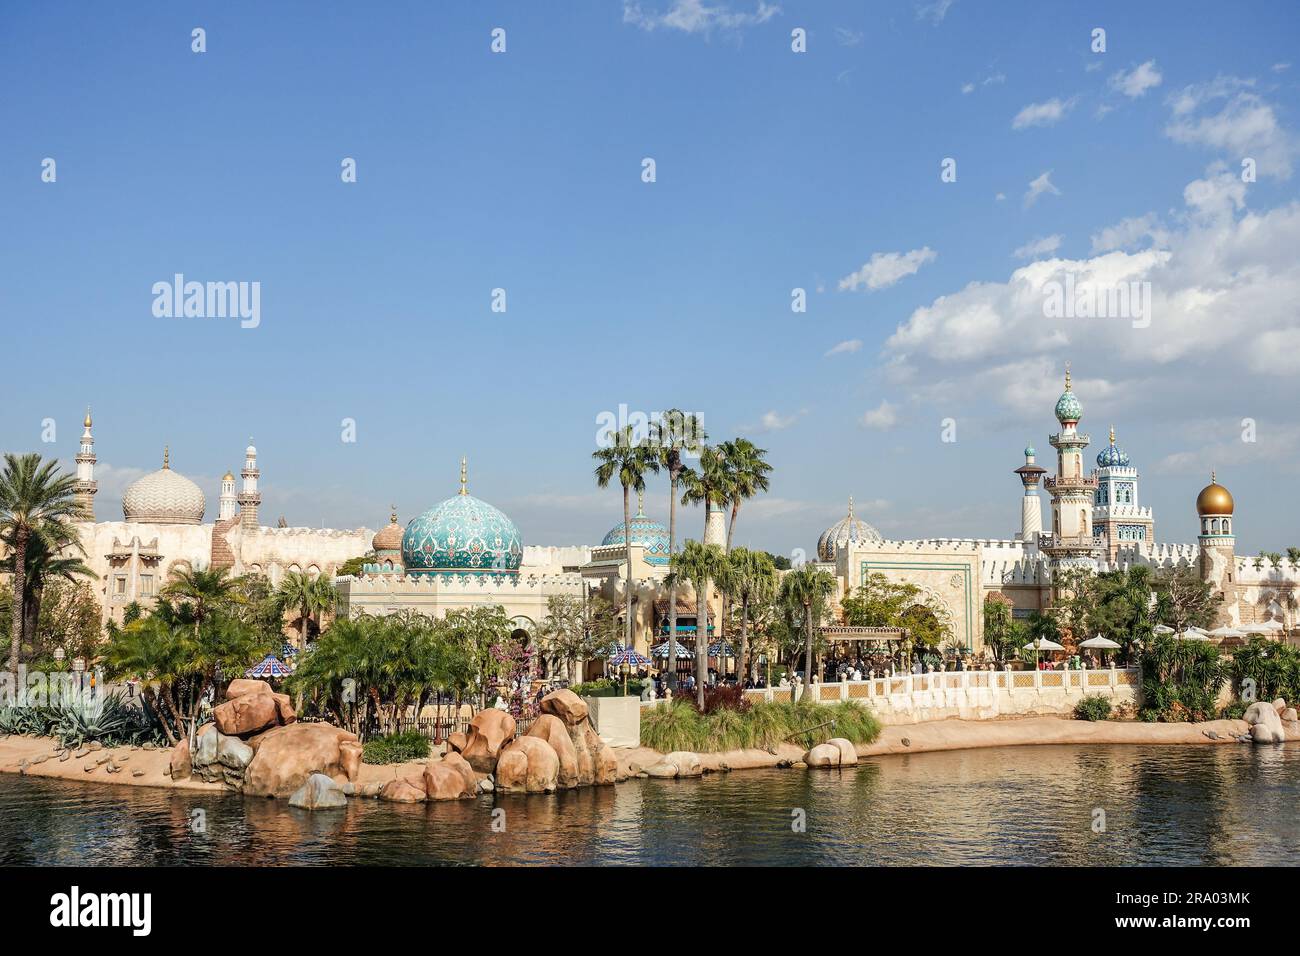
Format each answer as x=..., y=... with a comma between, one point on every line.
x=1092, y=707
x=36, y=501
x=1265, y=670
x=681, y=726
x=1183, y=600
x=751, y=577
x=675, y=433
x=1180, y=679
x=698, y=565
x=747, y=472
x=396, y=748
x=577, y=628
x=205, y=591
x=880, y=602
x=56, y=555
x=628, y=459
x=1000, y=632
x=308, y=596
x=810, y=588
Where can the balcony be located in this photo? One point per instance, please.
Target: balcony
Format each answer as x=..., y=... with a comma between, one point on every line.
x=1080, y=485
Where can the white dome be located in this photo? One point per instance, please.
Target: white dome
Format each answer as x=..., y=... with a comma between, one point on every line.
x=848, y=530
x=163, y=497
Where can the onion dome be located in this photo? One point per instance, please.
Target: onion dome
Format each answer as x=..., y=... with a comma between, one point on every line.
x=1029, y=451
x=1068, y=408
x=463, y=535
x=163, y=497
x=389, y=537
x=1214, y=499
x=646, y=532
x=843, y=533
x=228, y=476
x=1112, y=454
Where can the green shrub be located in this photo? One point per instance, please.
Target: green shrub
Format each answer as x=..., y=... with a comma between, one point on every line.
x=110, y=720
x=396, y=748
x=1234, y=711
x=609, y=688
x=1092, y=707
x=679, y=726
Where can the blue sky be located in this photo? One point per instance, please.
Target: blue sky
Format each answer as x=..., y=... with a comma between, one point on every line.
x=775, y=170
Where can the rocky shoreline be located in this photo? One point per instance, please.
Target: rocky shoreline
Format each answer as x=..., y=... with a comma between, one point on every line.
x=449, y=776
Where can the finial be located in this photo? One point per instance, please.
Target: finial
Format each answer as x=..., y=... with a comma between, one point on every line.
x=87, y=416
x=166, y=457
x=1213, y=480
x=640, y=503
x=393, y=517
x=1067, y=376
x=1112, y=434
x=464, y=472
x=850, y=507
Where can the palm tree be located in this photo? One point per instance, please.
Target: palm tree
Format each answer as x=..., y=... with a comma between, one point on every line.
x=698, y=565
x=751, y=576
x=35, y=500
x=629, y=460
x=674, y=433
x=205, y=590
x=747, y=474
x=810, y=588
x=45, y=564
x=308, y=596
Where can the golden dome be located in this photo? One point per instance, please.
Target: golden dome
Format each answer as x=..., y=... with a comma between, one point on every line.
x=1214, y=499
x=228, y=477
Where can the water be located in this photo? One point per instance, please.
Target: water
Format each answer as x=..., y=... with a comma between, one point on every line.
x=1215, y=805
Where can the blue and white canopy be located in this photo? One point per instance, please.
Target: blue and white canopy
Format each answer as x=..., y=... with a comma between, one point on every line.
x=271, y=666
x=721, y=649
x=628, y=655
x=683, y=652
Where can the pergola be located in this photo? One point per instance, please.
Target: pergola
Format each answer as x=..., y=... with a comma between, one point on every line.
x=877, y=634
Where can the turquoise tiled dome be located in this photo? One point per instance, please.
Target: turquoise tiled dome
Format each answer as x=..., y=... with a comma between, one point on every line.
x=1112, y=455
x=1068, y=408
x=463, y=535
x=647, y=533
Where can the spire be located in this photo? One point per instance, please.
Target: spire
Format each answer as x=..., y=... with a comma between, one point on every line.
x=850, y=507
x=87, y=422
x=1213, y=480
x=393, y=517
x=464, y=472
x=166, y=457
x=1112, y=434
x=640, y=503
x=1067, y=376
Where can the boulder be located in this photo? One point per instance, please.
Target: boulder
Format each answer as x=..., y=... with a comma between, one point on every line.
x=205, y=747
x=823, y=755
x=566, y=705
x=661, y=769
x=550, y=728
x=489, y=731
x=180, y=767
x=350, y=758
x=1265, y=724
x=243, y=685
x=286, y=756
x=246, y=714
x=1290, y=714
x=284, y=712
x=233, y=752
x=848, y=753
x=459, y=764
x=528, y=765
x=1279, y=705
x=456, y=742
x=606, y=765
x=318, y=793
x=445, y=781
x=686, y=762
x=402, y=790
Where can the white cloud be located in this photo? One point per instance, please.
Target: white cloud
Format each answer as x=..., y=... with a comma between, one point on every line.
x=1244, y=126
x=1000, y=197
x=1136, y=82
x=968, y=88
x=934, y=11
x=887, y=268
x=1128, y=232
x=1038, y=247
x=1043, y=184
x=882, y=417
x=845, y=347
x=695, y=16
x=991, y=79
x=774, y=421
x=1043, y=114
x=1280, y=67
x=846, y=37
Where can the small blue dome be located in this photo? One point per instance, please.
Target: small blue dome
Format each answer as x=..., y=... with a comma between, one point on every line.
x=647, y=533
x=463, y=535
x=1112, y=455
x=1029, y=451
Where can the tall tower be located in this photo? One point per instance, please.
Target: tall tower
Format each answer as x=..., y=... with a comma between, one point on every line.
x=86, y=483
x=1116, y=515
x=1031, y=512
x=249, y=496
x=228, y=499
x=1216, y=541
x=1071, y=543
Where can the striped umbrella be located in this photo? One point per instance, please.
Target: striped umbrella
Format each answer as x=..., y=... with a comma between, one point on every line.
x=271, y=666
x=287, y=650
x=683, y=652
x=628, y=655
x=721, y=649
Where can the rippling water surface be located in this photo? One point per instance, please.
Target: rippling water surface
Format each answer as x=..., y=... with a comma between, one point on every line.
x=1219, y=805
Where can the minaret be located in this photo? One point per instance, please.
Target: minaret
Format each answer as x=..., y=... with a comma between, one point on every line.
x=1071, y=544
x=228, y=499
x=86, y=483
x=249, y=496
x=1217, y=542
x=1031, y=512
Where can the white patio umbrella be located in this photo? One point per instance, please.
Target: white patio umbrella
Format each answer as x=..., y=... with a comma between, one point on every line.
x=1266, y=627
x=1101, y=643
x=1043, y=644
x=1189, y=635
x=1227, y=631
x=1162, y=629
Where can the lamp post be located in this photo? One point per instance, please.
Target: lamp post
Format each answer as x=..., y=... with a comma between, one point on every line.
x=625, y=669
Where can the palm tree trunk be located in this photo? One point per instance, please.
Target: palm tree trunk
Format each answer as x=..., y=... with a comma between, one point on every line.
x=627, y=542
x=808, y=647
x=16, y=615
x=701, y=641
x=672, y=588
x=731, y=526
x=744, y=638
x=32, y=610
